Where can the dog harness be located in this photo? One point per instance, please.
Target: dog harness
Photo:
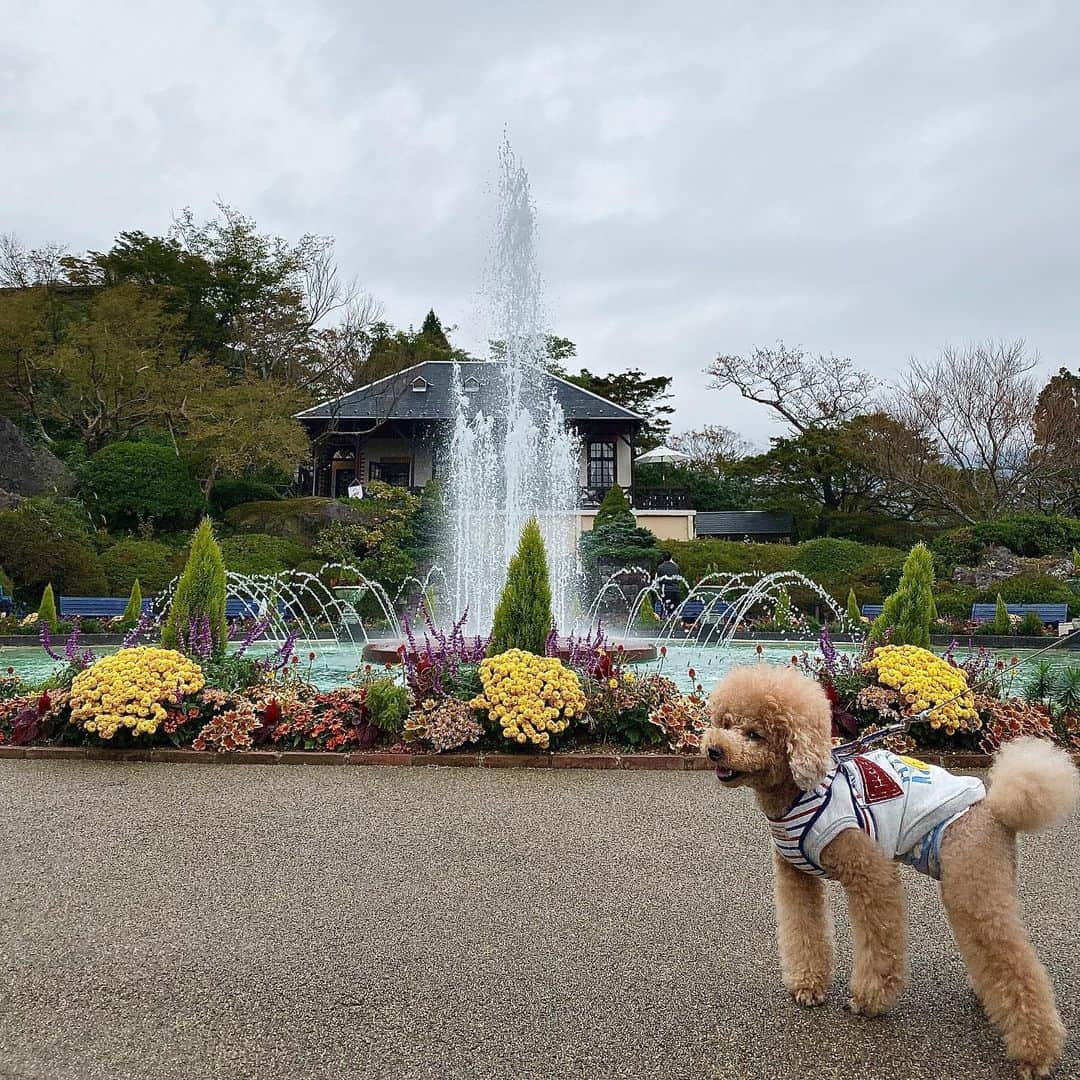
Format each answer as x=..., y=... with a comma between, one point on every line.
x=903, y=805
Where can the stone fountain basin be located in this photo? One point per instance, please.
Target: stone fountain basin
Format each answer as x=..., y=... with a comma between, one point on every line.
x=388, y=650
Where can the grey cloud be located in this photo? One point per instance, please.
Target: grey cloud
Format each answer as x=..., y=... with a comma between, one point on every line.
x=866, y=180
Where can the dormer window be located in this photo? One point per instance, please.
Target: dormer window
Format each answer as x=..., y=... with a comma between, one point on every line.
x=471, y=385
x=420, y=385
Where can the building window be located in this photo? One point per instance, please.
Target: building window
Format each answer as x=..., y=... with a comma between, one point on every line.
x=397, y=473
x=601, y=465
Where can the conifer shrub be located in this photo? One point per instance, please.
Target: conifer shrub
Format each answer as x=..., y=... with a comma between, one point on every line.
x=853, y=612
x=523, y=615
x=47, y=609
x=1001, y=623
x=200, y=594
x=909, y=611
x=133, y=611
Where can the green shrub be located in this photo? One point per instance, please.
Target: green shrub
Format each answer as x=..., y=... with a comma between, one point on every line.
x=128, y=483
x=1031, y=625
x=614, y=508
x=47, y=609
x=523, y=615
x=1031, y=535
x=387, y=704
x=781, y=616
x=133, y=611
x=229, y=491
x=696, y=558
x=45, y=540
x=200, y=593
x=954, y=601
x=909, y=611
x=830, y=556
x=151, y=562
x=1001, y=623
x=257, y=553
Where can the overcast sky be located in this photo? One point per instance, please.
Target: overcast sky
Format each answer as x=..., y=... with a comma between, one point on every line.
x=707, y=175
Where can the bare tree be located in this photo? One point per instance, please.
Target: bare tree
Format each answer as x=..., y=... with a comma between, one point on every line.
x=806, y=391
x=713, y=448
x=22, y=267
x=975, y=407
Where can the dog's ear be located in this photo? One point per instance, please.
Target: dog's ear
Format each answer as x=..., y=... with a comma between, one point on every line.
x=809, y=753
x=809, y=756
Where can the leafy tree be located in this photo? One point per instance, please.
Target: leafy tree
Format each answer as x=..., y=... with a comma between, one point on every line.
x=200, y=593
x=432, y=334
x=230, y=491
x=616, y=537
x=712, y=449
x=632, y=389
x=133, y=611
x=47, y=609
x=243, y=427
x=1001, y=622
x=707, y=489
x=853, y=612
x=909, y=611
x=523, y=614
x=128, y=483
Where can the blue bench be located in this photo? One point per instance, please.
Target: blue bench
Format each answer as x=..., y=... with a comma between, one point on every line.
x=95, y=607
x=109, y=607
x=872, y=611
x=1051, y=614
x=692, y=610
x=250, y=609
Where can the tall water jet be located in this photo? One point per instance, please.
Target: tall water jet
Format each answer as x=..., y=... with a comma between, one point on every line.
x=520, y=461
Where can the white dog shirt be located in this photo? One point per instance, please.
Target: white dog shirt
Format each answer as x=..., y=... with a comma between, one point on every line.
x=900, y=803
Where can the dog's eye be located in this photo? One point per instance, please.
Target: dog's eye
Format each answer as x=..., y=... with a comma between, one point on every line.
x=754, y=736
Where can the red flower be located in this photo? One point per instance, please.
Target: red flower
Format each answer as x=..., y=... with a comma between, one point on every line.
x=311, y=656
x=758, y=649
x=295, y=659
x=663, y=650
x=272, y=712
x=44, y=703
x=692, y=673
x=795, y=660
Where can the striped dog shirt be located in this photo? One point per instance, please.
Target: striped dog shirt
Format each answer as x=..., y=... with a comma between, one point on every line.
x=903, y=805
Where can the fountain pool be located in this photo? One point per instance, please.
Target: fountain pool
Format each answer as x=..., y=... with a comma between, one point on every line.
x=335, y=661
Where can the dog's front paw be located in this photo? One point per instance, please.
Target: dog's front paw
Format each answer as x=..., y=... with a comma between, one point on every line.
x=808, y=997
x=875, y=1003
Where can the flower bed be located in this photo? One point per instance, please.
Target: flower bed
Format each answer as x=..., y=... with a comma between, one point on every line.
x=450, y=698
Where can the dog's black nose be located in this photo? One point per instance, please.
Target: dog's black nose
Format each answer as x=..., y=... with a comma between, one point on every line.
x=714, y=754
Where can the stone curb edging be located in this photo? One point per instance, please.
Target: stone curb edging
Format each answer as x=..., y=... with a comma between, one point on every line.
x=487, y=760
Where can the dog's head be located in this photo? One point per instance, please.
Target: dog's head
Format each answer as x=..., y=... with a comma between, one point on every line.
x=770, y=725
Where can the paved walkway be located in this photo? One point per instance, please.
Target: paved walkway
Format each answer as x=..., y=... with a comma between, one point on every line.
x=210, y=922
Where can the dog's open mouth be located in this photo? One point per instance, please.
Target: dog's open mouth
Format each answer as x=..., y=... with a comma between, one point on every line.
x=726, y=774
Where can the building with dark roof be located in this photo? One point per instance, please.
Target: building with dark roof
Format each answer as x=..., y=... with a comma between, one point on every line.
x=762, y=526
x=396, y=428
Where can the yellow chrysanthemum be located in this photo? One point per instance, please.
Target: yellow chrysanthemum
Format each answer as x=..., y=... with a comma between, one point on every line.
x=530, y=697
x=925, y=681
x=128, y=689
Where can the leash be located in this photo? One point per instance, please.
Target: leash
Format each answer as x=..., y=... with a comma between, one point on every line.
x=849, y=749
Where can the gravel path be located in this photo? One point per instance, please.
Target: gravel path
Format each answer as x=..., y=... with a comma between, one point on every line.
x=211, y=922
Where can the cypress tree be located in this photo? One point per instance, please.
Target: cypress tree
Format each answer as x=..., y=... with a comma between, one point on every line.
x=200, y=593
x=910, y=610
x=133, y=611
x=523, y=615
x=1002, y=625
x=47, y=609
x=853, y=612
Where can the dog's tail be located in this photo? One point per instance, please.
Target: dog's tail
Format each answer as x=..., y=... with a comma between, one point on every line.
x=1033, y=785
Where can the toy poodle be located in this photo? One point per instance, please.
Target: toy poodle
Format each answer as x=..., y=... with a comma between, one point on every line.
x=854, y=820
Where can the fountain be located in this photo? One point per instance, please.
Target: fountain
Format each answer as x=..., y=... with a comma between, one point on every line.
x=521, y=462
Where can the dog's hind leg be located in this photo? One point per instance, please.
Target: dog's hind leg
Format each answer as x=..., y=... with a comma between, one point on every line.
x=804, y=932
x=978, y=887
x=878, y=920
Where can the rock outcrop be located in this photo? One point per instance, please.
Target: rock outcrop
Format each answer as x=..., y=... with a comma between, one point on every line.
x=27, y=468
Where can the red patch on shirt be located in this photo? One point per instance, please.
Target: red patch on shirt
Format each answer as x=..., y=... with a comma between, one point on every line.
x=877, y=783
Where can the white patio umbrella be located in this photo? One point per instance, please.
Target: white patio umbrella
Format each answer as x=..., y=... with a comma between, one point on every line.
x=662, y=456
